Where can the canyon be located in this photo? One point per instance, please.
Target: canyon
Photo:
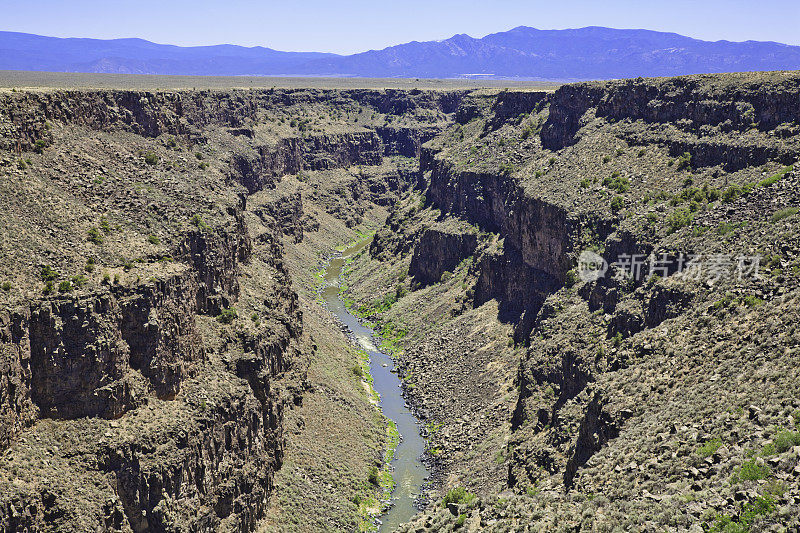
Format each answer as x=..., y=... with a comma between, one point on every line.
x=168, y=363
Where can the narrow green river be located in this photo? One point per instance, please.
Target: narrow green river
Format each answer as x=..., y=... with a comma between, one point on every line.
x=409, y=471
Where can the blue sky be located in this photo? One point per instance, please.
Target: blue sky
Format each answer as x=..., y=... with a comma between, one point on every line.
x=351, y=26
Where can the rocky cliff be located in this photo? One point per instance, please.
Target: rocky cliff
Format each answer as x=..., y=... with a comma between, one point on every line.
x=158, y=328
x=611, y=410
x=150, y=333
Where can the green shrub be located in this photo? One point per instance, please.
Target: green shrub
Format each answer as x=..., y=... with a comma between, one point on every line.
x=766, y=182
x=446, y=275
x=761, y=506
x=768, y=450
x=684, y=161
x=506, y=169
x=457, y=495
x=374, y=476
x=617, y=203
x=400, y=290
x=65, y=286
x=6, y=286
x=752, y=301
x=571, y=278
x=785, y=440
x=678, y=219
x=227, y=316
x=106, y=278
x=783, y=213
x=724, y=302
x=198, y=221
x=729, y=227
x=152, y=239
x=47, y=274
x=104, y=225
x=528, y=131
x=48, y=287
x=39, y=146
x=151, y=158
x=357, y=371
x=79, y=281
x=94, y=236
x=709, y=448
x=199, y=156
x=712, y=195
x=90, y=263
x=752, y=471
x=617, y=183
x=616, y=340
x=775, y=488
x=725, y=524
x=462, y=518
x=731, y=194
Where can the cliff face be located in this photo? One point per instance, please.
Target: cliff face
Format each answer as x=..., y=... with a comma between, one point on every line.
x=440, y=250
x=106, y=354
x=537, y=237
x=318, y=152
x=87, y=356
x=149, y=332
x=609, y=391
x=719, y=121
x=18, y=409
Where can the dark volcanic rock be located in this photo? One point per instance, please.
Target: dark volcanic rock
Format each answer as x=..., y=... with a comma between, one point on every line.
x=440, y=250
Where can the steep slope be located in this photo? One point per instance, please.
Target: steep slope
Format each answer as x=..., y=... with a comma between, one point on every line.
x=167, y=365
x=657, y=396
x=152, y=337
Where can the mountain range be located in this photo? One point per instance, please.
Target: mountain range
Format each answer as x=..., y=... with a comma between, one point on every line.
x=523, y=52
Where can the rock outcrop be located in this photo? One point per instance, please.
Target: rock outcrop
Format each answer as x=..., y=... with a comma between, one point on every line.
x=440, y=250
x=629, y=379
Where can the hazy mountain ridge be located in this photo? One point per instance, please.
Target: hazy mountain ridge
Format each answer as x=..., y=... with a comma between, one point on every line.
x=21, y=51
x=523, y=52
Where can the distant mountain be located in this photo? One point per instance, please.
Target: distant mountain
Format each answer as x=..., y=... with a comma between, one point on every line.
x=586, y=53
x=23, y=51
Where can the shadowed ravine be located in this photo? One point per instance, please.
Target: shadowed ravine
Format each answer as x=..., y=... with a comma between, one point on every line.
x=409, y=472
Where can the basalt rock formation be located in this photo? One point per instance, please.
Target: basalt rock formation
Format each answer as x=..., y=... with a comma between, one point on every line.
x=161, y=347
x=632, y=389
x=151, y=336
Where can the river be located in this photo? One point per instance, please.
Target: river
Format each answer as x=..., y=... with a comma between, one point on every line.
x=409, y=471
